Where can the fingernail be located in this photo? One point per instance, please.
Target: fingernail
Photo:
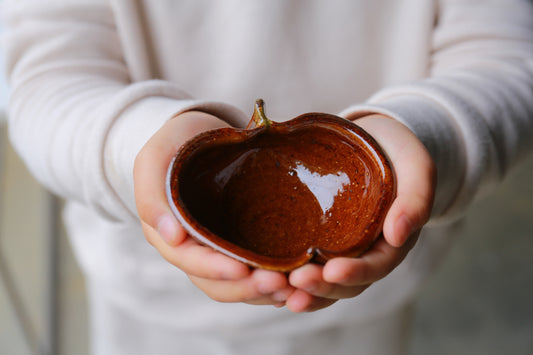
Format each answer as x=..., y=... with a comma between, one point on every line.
x=404, y=228
x=282, y=295
x=265, y=288
x=166, y=227
x=311, y=287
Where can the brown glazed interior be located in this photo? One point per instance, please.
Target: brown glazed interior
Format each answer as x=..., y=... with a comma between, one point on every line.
x=280, y=196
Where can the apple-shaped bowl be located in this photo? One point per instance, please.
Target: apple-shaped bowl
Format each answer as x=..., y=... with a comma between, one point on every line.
x=279, y=195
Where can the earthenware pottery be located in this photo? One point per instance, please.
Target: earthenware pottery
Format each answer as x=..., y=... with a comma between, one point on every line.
x=279, y=195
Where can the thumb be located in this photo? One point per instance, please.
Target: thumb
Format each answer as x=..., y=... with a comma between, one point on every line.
x=415, y=177
x=150, y=171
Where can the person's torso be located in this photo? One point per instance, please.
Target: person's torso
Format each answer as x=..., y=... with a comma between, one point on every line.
x=297, y=55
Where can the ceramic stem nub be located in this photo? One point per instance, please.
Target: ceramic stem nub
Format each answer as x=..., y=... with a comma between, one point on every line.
x=259, y=118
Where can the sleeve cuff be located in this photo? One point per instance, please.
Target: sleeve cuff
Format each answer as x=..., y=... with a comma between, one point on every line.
x=132, y=129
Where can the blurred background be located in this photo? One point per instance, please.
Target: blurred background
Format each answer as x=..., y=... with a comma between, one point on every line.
x=479, y=302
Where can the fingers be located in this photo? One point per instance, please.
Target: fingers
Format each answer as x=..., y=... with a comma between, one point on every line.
x=310, y=278
x=195, y=259
x=374, y=265
x=412, y=207
x=261, y=287
x=344, y=277
x=415, y=176
x=301, y=301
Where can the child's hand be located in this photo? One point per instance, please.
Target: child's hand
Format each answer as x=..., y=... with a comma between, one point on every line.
x=311, y=287
x=320, y=286
x=220, y=277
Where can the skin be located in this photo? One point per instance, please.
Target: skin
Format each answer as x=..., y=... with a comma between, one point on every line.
x=310, y=287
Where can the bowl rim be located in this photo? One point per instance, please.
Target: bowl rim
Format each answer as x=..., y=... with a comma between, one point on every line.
x=254, y=259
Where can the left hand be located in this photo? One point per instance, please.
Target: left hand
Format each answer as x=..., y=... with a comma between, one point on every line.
x=318, y=286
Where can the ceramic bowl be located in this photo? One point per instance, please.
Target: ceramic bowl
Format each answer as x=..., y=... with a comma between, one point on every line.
x=277, y=197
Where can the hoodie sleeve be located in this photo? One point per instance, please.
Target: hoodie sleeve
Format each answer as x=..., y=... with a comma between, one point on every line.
x=75, y=115
x=474, y=111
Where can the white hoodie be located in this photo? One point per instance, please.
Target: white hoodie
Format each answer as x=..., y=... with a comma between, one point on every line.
x=91, y=81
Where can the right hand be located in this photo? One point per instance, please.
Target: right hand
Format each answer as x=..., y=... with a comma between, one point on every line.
x=220, y=277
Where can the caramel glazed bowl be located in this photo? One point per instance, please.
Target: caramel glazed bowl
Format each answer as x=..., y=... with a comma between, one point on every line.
x=279, y=195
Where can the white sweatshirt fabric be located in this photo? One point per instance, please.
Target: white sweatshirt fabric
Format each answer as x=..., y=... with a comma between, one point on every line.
x=91, y=81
